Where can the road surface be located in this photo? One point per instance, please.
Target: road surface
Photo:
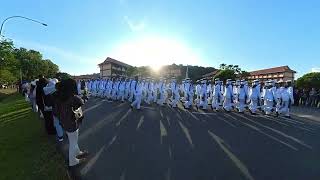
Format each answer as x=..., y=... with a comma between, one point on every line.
x=161, y=143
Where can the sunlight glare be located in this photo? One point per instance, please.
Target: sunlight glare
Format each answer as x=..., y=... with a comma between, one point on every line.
x=154, y=52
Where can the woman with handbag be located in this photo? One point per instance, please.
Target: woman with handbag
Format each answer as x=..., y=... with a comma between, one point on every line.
x=71, y=115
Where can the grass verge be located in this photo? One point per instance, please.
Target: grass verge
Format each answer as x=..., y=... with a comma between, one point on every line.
x=26, y=152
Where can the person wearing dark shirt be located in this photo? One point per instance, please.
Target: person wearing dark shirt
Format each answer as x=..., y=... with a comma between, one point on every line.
x=70, y=114
x=41, y=99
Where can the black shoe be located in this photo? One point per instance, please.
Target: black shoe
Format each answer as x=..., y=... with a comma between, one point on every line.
x=82, y=155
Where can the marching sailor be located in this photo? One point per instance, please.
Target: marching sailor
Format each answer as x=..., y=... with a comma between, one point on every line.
x=121, y=90
x=254, y=95
x=137, y=94
x=175, y=93
x=216, y=95
x=132, y=89
x=190, y=93
x=228, y=96
x=203, y=95
x=268, y=98
x=242, y=96
x=198, y=92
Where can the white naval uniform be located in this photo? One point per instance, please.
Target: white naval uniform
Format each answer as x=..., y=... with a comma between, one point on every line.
x=227, y=104
x=132, y=90
x=175, y=94
x=216, y=97
x=203, y=97
x=121, y=89
x=268, y=100
x=242, y=95
x=254, y=96
x=162, y=89
x=189, y=98
x=137, y=96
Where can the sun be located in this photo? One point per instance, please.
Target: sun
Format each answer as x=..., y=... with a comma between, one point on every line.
x=155, y=52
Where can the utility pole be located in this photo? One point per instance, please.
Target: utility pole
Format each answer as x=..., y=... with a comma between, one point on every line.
x=187, y=72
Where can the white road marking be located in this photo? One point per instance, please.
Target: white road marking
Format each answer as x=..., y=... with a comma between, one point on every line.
x=229, y=123
x=168, y=119
x=123, y=175
x=291, y=125
x=273, y=120
x=163, y=131
x=178, y=115
x=108, y=119
x=168, y=174
x=290, y=120
x=244, y=170
x=140, y=122
x=204, y=113
x=93, y=160
x=146, y=107
x=279, y=132
x=123, y=117
x=186, y=132
x=161, y=114
x=263, y=133
x=92, y=107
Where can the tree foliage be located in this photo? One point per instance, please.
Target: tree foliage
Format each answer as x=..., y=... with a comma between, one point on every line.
x=62, y=75
x=29, y=64
x=309, y=80
x=231, y=72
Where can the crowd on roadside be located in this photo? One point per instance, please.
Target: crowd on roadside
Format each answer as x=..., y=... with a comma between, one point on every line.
x=307, y=97
x=59, y=106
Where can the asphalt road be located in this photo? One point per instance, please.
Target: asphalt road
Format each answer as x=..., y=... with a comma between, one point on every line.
x=161, y=143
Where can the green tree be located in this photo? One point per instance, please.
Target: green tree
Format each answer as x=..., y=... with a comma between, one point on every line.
x=62, y=75
x=7, y=77
x=132, y=71
x=225, y=74
x=309, y=80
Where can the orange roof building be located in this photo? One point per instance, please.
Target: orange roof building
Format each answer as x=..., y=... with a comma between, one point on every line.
x=282, y=73
x=111, y=67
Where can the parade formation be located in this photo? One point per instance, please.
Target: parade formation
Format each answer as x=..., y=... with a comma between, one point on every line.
x=269, y=97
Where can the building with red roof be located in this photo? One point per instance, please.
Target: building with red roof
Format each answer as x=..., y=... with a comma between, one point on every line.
x=281, y=73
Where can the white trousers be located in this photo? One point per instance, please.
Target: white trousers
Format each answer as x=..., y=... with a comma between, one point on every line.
x=285, y=108
x=175, y=100
x=253, y=105
x=215, y=102
x=131, y=96
x=73, y=147
x=227, y=104
x=137, y=102
x=188, y=103
x=268, y=106
x=161, y=99
x=241, y=105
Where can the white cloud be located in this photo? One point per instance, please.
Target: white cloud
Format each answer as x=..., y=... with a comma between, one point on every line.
x=82, y=64
x=315, y=69
x=49, y=49
x=135, y=26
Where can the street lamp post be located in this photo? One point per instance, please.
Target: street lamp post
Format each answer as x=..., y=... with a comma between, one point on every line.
x=22, y=17
x=26, y=18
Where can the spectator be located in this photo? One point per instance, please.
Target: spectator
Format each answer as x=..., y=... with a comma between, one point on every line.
x=296, y=95
x=313, y=97
x=32, y=96
x=304, y=97
x=70, y=114
x=50, y=104
x=46, y=112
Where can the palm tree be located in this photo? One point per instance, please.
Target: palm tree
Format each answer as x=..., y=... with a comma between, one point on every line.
x=223, y=66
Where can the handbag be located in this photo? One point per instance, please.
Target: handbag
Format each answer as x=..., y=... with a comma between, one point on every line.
x=78, y=114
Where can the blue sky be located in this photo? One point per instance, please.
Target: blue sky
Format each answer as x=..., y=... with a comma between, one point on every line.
x=253, y=34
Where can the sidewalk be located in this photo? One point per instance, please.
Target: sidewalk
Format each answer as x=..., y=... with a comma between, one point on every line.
x=310, y=113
